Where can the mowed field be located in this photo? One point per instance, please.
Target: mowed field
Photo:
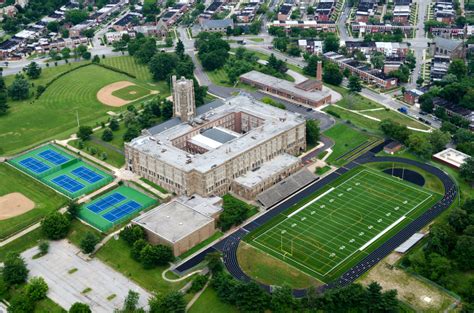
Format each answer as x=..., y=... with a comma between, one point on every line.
x=336, y=228
x=45, y=199
x=131, y=93
x=54, y=114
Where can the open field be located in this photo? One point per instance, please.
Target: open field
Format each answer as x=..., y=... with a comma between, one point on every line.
x=345, y=139
x=208, y=302
x=343, y=223
x=268, y=265
x=72, y=96
x=45, y=199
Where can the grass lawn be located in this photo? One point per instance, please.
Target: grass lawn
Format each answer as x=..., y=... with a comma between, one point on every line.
x=78, y=231
x=46, y=200
x=368, y=205
x=129, y=65
x=48, y=306
x=21, y=244
x=131, y=93
x=264, y=271
x=157, y=187
x=202, y=244
x=397, y=117
x=114, y=158
x=116, y=253
x=359, y=121
x=208, y=302
x=345, y=139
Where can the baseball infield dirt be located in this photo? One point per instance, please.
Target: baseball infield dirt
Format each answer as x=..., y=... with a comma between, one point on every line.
x=14, y=204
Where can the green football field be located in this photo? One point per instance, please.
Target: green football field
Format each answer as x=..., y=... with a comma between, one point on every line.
x=341, y=225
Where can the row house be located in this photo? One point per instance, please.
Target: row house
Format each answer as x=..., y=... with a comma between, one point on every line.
x=401, y=14
x=380, y=28
x=389, y=49
x=366, y=74
x=214, y=8
x=444, y=11
x=284, y=12
x=311, y=46
x=439, y=67
x=365, y=9
x=324, y=9
x=248, y=13
x=328, y=26
x=129, y=20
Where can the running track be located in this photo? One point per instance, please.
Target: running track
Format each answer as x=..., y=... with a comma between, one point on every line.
x=228, y=245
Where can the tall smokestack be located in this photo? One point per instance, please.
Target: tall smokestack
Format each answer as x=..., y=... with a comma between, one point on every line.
x=319, y=71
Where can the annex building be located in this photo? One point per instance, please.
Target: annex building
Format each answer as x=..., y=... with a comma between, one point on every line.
x=240, y=145
x=181, y=223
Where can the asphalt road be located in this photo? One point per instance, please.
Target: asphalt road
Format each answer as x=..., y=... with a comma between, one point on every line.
x=228, y=246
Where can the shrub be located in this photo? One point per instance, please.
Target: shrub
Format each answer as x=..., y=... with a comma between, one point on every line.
x=89, y=242
x=14, y=270
x=132, y=233
x=198, y=283
x=37, y=289
x=43, y=247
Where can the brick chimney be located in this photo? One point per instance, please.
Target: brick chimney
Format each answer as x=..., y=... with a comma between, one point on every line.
x=319, y=71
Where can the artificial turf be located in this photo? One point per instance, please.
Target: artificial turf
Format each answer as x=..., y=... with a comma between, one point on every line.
x=343, y=223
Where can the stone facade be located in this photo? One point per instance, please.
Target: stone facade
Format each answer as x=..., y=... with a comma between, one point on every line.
x=183, y=99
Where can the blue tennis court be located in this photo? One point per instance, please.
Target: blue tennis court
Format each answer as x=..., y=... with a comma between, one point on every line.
x=86, y=174
x=53, y=157
x=34, y=165
x=106, y=202
x=67, y=183
x=122, y=211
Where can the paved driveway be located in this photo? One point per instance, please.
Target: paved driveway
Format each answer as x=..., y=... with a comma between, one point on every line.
x=66, y=288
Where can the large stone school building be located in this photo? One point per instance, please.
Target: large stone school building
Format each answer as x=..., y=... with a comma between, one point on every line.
x=239, y=145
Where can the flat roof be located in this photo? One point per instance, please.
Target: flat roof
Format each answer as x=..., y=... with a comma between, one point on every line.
x=220, y=134
x=159, y=144
x=266, y=170
x=180, y=217
x=285, y=85
x=404, y=247
x=452, y=156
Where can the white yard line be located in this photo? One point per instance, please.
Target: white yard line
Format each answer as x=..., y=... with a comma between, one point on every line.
x=311, y=202
x=383, y=232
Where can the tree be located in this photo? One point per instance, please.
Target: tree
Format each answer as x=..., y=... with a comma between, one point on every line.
x=420, y=145
x=152, y=256
x=19, y=89
x=458, y=68
x=114, y=124
x=354, y=84
x=330, y=43
x=73, y=208
x=167, y=109
x=79, y=307
x=137, y=248
x=410, y=61
x=441, y=239
x=14, y=269
x=3, y=97
x=37, y=289
x=251, y=298
x=132, y=132
x=281, y=43
x=179, y=48
x=107, y=135
x=162, y=65
x=310, y=10
x=464, y=252
x=312, y=132
x=76, y=16
x=66, y=53
x=96, y=59
x=53, y=26
x=214, y=262
x=21, y=303
x=84, y=133
x=255, y=26
x=458, y=219
x=89, y=242
x=55, y=226
x=466, y=171
x=332, y=75
x=132, y=233
x=33, y=71
x=130, y=303
x=438, y=140
x=86, y=55
x=282, y=300
x=173, y=302
x=420, y=81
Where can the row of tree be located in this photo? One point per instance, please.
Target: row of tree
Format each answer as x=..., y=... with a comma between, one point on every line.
x=449, y=253
x=250, y=297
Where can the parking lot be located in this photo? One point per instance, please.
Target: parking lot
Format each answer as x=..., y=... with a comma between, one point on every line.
x=72, y=279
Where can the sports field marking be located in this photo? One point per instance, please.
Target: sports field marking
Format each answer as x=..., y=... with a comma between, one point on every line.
x=53, y=157
x=106, y=202
x=67, y=183
x=86, y=174
x=311, y=202
x=34, y=165
x=345, y=220
x=122, y=210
